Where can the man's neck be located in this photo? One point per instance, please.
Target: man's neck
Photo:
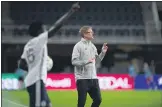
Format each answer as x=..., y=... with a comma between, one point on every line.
x=87, y=39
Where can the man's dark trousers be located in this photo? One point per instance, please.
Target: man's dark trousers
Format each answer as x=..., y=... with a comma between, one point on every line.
x=90, y=86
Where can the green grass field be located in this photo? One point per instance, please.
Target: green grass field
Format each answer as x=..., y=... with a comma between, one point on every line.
x=69, y=99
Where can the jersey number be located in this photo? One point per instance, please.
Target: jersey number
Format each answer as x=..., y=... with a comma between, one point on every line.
x=30, y=55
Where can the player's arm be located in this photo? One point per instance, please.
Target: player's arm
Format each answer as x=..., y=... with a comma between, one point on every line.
x=100, y=57
x=58, y=24
x=43, y=37
x=130, y=71
x=22, y=64
x=76, y=57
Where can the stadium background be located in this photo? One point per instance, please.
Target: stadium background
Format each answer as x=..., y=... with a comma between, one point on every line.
x=132, y=30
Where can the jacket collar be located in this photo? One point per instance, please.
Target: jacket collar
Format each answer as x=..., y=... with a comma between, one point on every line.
x=85, y=41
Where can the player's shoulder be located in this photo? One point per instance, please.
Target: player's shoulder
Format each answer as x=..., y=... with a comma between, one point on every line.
x=40, y=36
x=93, y=45
x=30, y=43
x=43, y=34
x=37, y=38
x=78, y=44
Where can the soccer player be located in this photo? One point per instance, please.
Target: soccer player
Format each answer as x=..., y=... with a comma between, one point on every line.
x=132, y=70
x=85, y=58
x=149, y=76
x=21, y=75
x=34, y=59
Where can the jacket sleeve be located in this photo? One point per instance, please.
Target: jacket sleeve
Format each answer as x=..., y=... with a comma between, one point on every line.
x=99, y=57
x=76, y=57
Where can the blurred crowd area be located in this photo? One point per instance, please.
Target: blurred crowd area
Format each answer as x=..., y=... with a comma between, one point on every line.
x=132, y=30
x=117, y=60
x=91, y=13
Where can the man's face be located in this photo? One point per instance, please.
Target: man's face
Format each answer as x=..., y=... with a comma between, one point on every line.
x=89, y=34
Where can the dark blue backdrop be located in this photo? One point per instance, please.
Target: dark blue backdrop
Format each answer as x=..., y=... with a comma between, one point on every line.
x=140, y=82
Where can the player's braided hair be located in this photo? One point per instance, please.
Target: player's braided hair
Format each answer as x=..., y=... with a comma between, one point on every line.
x=35, y=28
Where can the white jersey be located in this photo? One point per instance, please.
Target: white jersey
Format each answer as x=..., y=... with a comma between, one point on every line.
x=35, y=54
